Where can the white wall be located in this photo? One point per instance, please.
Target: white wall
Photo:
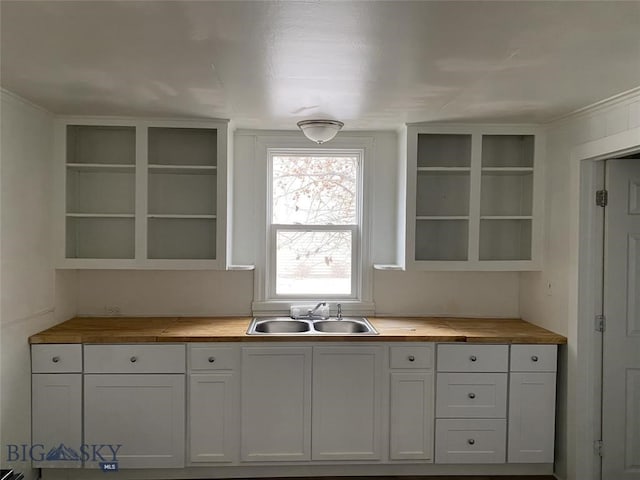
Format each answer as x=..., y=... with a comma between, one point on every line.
x=165, y=293
x=33, y=296
x=556, y=308
x=471, y=294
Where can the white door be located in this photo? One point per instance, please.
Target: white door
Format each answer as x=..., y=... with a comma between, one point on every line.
x=411, y=416
x=532, y=402
x=142, y=413
x=213, y=401
x=347, y=391
x=275, y=404
x=621, y=358
x=56, y=416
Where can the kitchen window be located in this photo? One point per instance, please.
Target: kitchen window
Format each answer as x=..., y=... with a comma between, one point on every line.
x=314, y=227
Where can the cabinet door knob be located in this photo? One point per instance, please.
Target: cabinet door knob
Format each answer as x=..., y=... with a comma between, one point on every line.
x=212, y=359
x=534, y=358
x=473, y=358
x=471, y=441
x=472, y=395
x=55, y=359
x=133, y=359
x=411, y=358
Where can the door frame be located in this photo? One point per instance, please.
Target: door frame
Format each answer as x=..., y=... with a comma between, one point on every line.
x=584, y=355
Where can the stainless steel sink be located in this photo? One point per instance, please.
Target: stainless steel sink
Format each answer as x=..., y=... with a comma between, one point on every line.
x=342, y=326
x=282, y=325
x=288, y=326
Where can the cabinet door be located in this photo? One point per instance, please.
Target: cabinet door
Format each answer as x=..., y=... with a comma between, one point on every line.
x=347, y=388
x=532, y=400
x=212, y=417
x=143, y=414
x=411, y=422
x=56, y=416
x=276, y=404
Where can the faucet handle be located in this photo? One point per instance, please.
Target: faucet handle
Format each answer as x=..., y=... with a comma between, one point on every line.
x=339, y=314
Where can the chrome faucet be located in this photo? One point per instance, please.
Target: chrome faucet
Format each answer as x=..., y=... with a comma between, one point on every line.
x=339, y=314
x=312, y=311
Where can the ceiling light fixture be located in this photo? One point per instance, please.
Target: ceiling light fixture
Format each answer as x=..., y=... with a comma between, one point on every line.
x=320, y=131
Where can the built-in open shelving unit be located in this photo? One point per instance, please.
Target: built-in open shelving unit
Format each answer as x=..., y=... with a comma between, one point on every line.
x=100, y=173
x=471, y=197
x=142, y=194
x=182, y=193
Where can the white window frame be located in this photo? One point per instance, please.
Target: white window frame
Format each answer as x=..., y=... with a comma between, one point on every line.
x=267, y=141
x=355, y=229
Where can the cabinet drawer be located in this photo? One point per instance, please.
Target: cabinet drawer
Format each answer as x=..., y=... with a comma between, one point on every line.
x=411, y=356
x=473, y=358
x=471, y=395
x=56, y=358
x=533, y=358
x=471, y=441
x=207, y=357
x=134, y=358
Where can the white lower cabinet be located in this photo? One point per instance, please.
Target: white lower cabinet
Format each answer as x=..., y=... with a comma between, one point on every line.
x=347, y=415
x=239, y=405
x=532, y=400
x=411, y=401
x=411, y=416
x=275, y=407
x=214, y=393
x=471, y=403
x=56, y=406
x=212, y=418
x=140, y=417
x=471, y=406
x=56, y=411
x=134, y=404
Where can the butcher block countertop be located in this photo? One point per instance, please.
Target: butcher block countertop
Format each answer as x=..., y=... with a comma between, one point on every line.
x=233, y=329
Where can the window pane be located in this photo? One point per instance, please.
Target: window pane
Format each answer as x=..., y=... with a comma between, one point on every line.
x=315, y=190
x=317, y=262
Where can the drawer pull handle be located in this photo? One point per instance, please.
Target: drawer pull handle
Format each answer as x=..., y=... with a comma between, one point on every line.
x=212, y=359
x=133, y=359
x=471, y=441
x=472, y=395
x=473, y=358
x=55, y=359
x=411, y=358
x=534, y=358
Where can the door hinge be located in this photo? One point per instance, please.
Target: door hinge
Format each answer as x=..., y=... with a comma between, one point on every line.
x=597, y=447
x=602, y=198
x=601, y=323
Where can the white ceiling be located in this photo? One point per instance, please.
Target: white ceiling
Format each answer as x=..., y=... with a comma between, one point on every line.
x=268, y=64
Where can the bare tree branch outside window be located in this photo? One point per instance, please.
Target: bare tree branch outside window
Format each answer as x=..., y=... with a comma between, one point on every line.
x=314, y=191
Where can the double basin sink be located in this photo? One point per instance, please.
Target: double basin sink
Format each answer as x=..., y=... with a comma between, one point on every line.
x=289, y=326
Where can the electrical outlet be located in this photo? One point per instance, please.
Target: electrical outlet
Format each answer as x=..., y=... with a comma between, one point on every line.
x=112, y=310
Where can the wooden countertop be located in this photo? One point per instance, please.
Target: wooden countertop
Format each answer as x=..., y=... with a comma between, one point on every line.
x=233, y=329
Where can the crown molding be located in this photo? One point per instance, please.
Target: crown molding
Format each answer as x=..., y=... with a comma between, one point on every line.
x=624, y=98
x=14, y=97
